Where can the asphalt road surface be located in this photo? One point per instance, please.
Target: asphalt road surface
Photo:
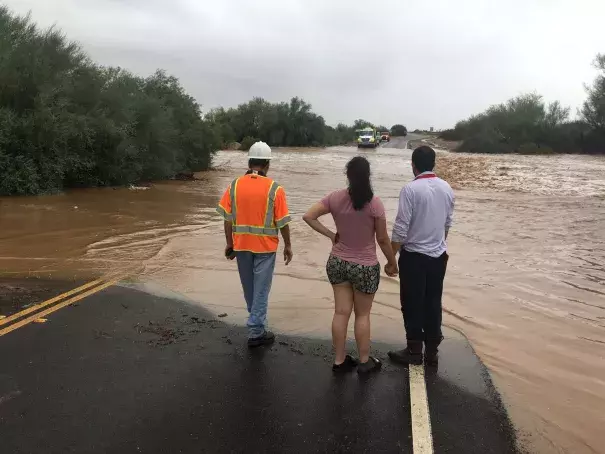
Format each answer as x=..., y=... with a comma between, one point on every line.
x=401, y=142
x=124, y=371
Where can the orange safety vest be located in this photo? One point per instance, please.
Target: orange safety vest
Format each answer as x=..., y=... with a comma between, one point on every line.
x=257, y=208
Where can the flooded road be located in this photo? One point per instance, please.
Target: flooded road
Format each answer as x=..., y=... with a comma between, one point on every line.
x=526, y=280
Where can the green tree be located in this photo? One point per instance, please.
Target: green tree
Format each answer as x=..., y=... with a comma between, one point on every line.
x=592, y=139
x=399, y=130
x=593, y=111
x=526, y=124
x=67, y=122
x=279, y=124
x=522, y=124
x=360, y=123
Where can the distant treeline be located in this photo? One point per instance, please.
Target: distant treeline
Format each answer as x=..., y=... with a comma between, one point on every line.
x=526, y=124
x=283, y=124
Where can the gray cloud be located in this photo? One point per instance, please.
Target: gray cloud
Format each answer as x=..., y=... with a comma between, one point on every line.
x=419, y=63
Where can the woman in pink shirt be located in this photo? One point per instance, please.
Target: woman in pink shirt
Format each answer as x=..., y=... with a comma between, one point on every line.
x=353, y=268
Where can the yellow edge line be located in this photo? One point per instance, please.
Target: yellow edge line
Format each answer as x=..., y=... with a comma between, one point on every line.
x=50, y=310
x=36, y=307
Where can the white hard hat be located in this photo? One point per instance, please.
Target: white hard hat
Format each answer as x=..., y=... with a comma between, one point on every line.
x=260, y=150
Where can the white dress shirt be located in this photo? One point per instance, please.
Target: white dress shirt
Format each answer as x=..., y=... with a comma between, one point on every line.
x=426, y=207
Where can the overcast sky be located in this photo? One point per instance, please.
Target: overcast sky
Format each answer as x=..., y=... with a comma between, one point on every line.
x=417, y=62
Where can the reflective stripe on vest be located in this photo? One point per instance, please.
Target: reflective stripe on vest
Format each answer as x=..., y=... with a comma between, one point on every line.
x=271, y=206
x=268, y=229
x=281, y=223
x=232, y=194
x=220, y=210
x=261, y=231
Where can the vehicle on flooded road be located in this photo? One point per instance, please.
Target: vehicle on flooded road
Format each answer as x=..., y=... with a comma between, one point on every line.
x=385, y=136
x=367, y=137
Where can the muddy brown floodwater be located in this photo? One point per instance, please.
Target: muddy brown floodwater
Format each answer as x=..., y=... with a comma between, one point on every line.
x=526, y=281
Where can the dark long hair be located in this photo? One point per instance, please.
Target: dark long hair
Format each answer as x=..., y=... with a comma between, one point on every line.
x=360, y=186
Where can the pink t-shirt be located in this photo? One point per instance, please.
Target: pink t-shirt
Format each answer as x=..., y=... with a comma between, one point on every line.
x=356, y=231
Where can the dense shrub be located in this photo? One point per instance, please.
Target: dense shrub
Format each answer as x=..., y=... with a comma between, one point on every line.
x=527, y=124
x=450, y=134
x=486, y=141
x=532, y=148
x=66, y=122
x=247, y=142
x=399, y=130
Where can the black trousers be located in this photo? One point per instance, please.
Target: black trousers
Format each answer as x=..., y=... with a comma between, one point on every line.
x=421, y=288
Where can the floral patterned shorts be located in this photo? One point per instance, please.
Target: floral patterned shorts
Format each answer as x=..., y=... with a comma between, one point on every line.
x=363, y=278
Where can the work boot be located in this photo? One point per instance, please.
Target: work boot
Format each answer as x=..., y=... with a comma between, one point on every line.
x=412, y=354
x=431, y=348
x=266, y=339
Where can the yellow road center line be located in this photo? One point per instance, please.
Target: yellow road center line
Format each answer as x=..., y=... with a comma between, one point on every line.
x=37, y=307
x=52, y=309
x=422, y=437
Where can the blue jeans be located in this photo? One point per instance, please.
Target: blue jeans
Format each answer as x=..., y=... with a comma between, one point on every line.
x=256, y=274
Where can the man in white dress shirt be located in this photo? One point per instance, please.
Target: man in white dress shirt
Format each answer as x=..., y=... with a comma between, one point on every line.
x=424, y=216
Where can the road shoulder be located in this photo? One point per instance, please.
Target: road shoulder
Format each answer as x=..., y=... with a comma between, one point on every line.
x=127, y=371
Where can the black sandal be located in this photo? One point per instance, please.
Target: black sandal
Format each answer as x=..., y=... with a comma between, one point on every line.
x=346, y=366
x=373, y=365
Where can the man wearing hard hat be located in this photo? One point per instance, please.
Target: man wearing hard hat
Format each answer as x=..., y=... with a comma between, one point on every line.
x=255, y=210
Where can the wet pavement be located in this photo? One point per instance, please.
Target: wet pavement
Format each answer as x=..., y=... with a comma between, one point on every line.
x=525, y=284
x=20, y=293
x=126, y=371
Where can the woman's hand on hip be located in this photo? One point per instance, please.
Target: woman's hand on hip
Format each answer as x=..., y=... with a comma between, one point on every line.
x=334, y=237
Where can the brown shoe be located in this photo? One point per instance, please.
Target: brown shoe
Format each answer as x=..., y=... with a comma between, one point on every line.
x=412, y=354
x=431, y=357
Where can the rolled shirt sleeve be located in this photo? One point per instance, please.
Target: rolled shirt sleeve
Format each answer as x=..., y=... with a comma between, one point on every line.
x=404, y=216
x=281, y=213
x=224, y=206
